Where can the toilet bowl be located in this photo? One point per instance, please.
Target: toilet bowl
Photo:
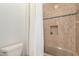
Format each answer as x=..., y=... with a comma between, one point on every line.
x=13, y=50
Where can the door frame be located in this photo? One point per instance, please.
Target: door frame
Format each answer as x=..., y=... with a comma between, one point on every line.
x=36, y=42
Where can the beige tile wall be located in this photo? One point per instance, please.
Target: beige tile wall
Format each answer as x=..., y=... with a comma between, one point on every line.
x=62, y=41
x=52, y=10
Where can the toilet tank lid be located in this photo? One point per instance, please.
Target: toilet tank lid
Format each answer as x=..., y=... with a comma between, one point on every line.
x=12, y=47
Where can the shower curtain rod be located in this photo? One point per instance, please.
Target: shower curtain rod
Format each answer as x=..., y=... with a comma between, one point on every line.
x=62, y=15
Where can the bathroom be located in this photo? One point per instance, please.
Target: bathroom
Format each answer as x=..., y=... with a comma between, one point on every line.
x=18, y=31
x=42, y=29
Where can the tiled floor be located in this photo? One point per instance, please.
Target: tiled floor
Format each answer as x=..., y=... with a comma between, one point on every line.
x=46, y=54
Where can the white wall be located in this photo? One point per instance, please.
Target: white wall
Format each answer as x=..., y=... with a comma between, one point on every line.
x=14, y=27
x=12, y=23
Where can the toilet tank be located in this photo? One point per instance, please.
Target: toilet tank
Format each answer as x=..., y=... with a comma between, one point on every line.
x=12, y=50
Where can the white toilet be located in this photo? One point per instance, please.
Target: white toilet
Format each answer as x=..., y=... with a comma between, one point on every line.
x=13, y=50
